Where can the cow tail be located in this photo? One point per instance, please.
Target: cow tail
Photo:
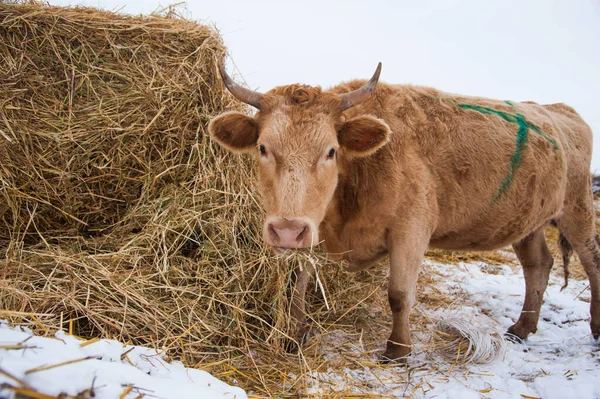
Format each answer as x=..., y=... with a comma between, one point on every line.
x=567, y=250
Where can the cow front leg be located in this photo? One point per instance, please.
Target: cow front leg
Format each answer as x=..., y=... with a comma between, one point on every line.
x=298, y=328
x=405, y=263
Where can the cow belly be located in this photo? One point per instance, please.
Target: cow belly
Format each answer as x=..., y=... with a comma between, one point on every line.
x=504, y=226
x=467, y=241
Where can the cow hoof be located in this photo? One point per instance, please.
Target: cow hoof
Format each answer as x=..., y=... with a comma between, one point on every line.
x=595, y=330
x=395, y=355
x=518, y=332
x=400, y=361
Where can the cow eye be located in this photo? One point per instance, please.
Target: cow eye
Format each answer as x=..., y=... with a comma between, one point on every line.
x=262, y=149
x=331, y=153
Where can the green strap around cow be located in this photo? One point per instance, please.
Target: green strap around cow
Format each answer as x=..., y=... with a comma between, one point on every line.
x=520, y=143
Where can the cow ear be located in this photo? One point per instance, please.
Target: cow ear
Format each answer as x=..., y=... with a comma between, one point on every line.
x=234, y=131
x=363, y=135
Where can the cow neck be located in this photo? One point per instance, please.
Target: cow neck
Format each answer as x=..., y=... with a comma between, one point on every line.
x=355, y=191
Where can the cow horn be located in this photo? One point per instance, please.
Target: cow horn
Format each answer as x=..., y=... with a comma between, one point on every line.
x=357, y=96
x=250, y=97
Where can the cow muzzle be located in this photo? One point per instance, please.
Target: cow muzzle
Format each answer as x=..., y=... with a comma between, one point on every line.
x=289, y=233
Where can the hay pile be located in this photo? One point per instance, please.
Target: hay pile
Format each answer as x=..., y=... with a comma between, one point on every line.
x=99, y=114
x=118, y=217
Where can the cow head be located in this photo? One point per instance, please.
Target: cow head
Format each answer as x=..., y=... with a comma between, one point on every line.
x=302, y=138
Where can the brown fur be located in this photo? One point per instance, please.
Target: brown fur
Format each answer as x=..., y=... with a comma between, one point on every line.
x=415, y=170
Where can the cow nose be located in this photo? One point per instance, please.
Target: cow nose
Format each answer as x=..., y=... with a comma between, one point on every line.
x=289, y=233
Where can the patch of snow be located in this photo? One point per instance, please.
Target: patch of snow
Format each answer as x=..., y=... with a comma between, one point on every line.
x=561, y=360
x=106, y=366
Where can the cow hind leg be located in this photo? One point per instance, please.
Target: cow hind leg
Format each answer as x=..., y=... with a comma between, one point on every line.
x=536, y=259
x=579, y=229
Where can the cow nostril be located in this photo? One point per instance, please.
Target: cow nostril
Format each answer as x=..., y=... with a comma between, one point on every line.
x=302, y=234
x=273, y=233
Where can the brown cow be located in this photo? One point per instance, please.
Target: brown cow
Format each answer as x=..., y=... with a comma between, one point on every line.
x=370, y=170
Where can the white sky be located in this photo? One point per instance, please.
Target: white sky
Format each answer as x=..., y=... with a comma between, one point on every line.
x=541, y=50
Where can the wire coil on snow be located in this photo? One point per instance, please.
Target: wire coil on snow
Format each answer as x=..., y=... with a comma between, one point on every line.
x=468, y=338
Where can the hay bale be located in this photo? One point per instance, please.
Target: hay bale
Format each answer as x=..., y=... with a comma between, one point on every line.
x=118, y=217
x=98, y=112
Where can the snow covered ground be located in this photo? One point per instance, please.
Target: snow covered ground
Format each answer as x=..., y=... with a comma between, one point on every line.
x=560, y=361
x=107, y=369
